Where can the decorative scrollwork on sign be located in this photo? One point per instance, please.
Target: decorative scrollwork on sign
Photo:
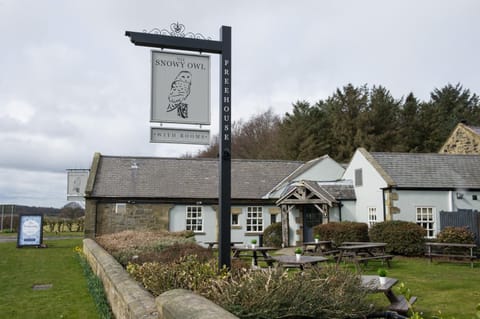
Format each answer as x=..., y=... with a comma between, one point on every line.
x=177, y=30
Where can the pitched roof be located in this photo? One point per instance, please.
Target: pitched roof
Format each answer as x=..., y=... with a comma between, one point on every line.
x=340, y=190
x=326, y=192
x=429, y=170
x=279, y=189
x=463, y=139
x=154, y=177
x=476, y=129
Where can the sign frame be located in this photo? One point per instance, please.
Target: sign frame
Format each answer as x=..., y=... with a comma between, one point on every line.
x=30, y=230
x=76, y=183
x=166, y=70
x=179, y=136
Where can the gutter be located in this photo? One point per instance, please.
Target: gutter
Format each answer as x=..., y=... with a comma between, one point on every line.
x=384, y=207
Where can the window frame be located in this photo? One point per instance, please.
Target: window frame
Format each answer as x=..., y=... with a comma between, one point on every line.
x=372, y=212
x=120, y=208
x=198, y=211
x=424, y=212
x=254, y=219
x=237, y=216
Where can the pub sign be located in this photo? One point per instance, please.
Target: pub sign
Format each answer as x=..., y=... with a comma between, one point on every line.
x=180, y=88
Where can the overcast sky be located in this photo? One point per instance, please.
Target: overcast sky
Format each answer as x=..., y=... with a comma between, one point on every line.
x=72, y=84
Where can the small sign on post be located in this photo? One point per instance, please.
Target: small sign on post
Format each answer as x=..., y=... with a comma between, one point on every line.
x=30, y=230
x=179, y=136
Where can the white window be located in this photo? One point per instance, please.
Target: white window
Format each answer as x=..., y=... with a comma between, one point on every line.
x=254, y=219
x=235, y=220
x=194, y=219
x=372, y=216
x=426, y=220
x=120, y=208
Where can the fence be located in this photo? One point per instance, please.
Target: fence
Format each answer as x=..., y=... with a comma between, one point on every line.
x=462, y=218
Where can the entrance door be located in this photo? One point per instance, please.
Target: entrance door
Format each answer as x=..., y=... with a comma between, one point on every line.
x=311, y=217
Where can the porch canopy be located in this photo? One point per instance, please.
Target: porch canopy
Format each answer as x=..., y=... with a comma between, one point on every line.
x=307, y=193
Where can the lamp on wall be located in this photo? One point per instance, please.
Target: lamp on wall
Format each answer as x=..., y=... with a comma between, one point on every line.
x=459, y=195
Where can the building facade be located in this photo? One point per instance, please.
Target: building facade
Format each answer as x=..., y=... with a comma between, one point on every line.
x=413, y=187
x=125, y=193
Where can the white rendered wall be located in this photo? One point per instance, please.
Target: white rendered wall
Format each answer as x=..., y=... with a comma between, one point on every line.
x=370, y=194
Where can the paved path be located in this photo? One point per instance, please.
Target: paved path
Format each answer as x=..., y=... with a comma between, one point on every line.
x=11, y=239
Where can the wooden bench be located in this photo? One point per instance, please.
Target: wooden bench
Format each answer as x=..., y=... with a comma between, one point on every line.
x=398, y=303
x=451, y=251
x=401, y=305
x=384, y=258
x=269, y=260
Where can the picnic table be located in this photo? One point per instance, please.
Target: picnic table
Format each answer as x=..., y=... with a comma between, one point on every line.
x=452, y=251
x=254, y=253
x=321, y=247
x=362, y=252
x=293, y=262
x=398, y=303
x=211, y=244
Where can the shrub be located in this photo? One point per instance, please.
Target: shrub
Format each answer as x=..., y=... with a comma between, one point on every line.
x=328, y=292
x=459, y=235
x=123, y=246
x=272, y=235
x=175, y=252
x=340, y=232
x=402, y=238
x=186, y=273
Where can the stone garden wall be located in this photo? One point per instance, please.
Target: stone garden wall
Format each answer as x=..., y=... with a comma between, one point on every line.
x=129, y=300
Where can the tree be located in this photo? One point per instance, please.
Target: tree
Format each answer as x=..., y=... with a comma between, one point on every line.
x=446, y=108
x=258, y=138
x=302, y=132
x=343, y=110
x=410, y=130
x=255, y=139
x=378, y=124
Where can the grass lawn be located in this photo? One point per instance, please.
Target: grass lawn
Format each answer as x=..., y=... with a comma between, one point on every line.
x=57, y=265
x=451, y=288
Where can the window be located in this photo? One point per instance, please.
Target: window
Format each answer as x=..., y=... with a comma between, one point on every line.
x=120, y=208
x=358, y=177
x=372, y=216
x=235, y=220
x=254, y=219
x=273, y=218
x=425, y=219
x=194, y=218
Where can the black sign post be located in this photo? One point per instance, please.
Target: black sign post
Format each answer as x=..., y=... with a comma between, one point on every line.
x=222, y=47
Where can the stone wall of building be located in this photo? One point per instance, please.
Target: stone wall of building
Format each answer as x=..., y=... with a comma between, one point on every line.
x=112, y=218
x=462, y=141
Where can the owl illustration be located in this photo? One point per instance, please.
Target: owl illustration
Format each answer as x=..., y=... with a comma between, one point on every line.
x=179, y=91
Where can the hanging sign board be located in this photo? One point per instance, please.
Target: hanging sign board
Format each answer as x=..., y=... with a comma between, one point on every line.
x=180, y=88
x=76, y=183
x=179, y=136
x=30, y=230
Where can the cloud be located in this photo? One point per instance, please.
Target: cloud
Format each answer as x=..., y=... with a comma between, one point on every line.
x=72, y=84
